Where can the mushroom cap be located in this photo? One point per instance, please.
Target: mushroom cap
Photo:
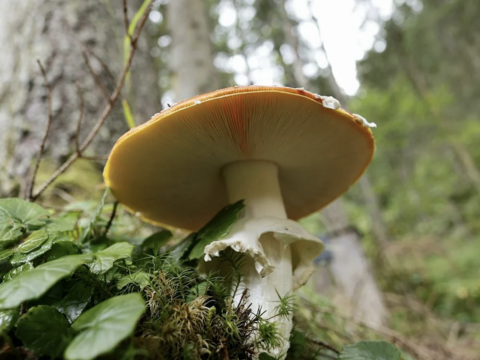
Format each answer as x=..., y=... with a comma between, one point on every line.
x=170, y=168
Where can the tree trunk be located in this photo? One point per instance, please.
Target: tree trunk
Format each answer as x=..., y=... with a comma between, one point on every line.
x=191, y=49
x=56, y=32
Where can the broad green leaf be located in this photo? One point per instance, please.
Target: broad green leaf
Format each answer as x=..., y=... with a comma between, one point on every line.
x=27, y=214
x=104, y=259
x=8, y=319
x=61, y=249
x=19, y=258
x=104, y=326
x=17, y=271
x=157, y=240
x=216, y=229
x=6, y=254
x=9, y=233
x=370, y=350
x=44, y=330
x=265, y=356
x=181, y=250
x=76, y=300
x=34, y=283
x=67, y=222
x=139, y=278
x=32, y=242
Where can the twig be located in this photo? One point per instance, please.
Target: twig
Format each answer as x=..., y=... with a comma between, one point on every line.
x=102, y=63
x=29, y=189
x=79, y=120
x=126, y=21
x=325, y=345
x=112, y=216
x=99, y=81
x=95, y=158
x=106, y=112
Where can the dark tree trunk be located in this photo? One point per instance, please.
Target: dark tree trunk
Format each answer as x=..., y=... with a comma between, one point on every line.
x=56, y=32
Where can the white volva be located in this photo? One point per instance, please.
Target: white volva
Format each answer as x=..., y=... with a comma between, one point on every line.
x=280, y=251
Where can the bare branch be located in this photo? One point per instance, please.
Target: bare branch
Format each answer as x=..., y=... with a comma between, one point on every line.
x=31, y=183
x=99, y=81
x=126, y=21
x=102, y=63
x=106, y=112
x=96, y=157
x=79, y=121
x=112, y=216
x=325, y=345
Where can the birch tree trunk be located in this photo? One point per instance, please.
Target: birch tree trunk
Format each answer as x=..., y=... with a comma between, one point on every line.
x=56, y=32
x=191, y=50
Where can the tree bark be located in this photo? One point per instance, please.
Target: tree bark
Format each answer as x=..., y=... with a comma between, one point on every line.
x=191, y=59
x=56, y=32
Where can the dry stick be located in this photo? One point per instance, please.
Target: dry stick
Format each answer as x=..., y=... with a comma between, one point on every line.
x=79, y=120
x=112, y=216
x=325, y=345
x=99, y=81
x=102, y=63
x=105, y=112
x=125, y=20
x=29, y=190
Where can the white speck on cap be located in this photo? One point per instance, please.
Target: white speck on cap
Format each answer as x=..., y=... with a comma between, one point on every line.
x=330, y=102
x=197, y=102
x=369, y=124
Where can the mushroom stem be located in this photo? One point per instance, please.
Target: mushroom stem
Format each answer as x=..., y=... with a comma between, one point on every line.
x=257, y=183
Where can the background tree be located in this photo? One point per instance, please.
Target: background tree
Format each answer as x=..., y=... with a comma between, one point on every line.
x=81, y=45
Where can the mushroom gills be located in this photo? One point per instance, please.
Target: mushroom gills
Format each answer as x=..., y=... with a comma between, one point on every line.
x=279, y=251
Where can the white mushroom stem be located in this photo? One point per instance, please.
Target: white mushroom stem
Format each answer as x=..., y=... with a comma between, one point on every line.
x=280, y=251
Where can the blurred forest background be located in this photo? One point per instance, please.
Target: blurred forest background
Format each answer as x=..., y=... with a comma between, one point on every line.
x=408, y=232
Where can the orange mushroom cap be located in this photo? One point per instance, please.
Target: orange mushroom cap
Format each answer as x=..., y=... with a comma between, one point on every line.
x=169, y=169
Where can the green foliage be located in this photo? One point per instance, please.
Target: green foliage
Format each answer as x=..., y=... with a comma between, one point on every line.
x=370, y=350
x=34, y=283
x=44, y=330
x=215, y=229
x=83, y=294
x=101, y=328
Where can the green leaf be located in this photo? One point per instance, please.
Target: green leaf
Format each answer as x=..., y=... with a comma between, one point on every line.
x=181, y=250
x=8, y=319
x=104, y=326
x=139, y=278
x=76, y=300
x=34, y=283
x=35, y=239
x=265, y=356
x=17, y=271
x=21, y=212
x=61, y=249
x=6, y=254
x=370, y=350
x=44, y=330
x=9, y=234
x=104, y=259
x=216, y=229
x=19, y=258
x=157, y=240
x=66, y=222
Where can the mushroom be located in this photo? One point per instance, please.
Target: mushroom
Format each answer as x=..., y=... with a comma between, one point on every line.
x=286, y=152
